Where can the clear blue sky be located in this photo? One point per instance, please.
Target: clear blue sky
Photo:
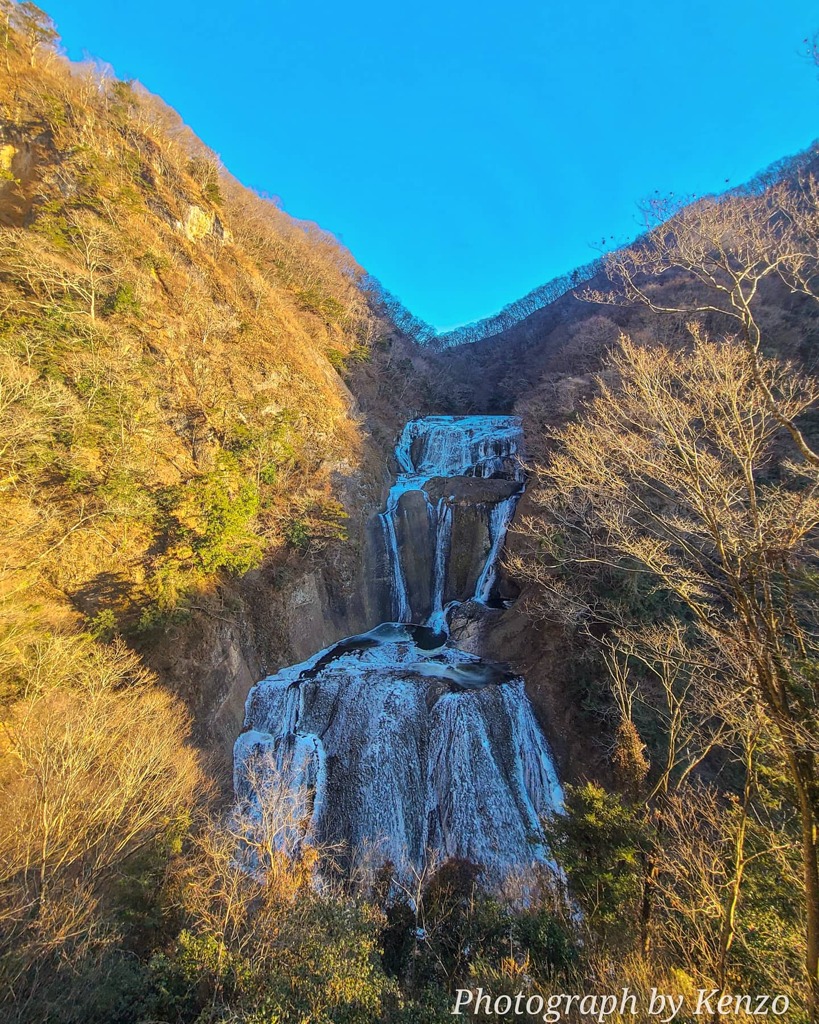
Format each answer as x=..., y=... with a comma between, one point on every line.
x=468, y=150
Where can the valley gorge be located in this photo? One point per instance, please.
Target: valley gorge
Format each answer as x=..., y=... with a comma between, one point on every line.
x=346, y=666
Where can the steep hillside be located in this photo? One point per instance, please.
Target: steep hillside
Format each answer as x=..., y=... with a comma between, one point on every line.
x=558, y=331
x=174, y=408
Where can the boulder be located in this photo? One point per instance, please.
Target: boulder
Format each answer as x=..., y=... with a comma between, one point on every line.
x=198, y=223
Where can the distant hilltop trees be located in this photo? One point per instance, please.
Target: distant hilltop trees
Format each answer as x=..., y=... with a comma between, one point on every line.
x=518, y=310
x=654, y=211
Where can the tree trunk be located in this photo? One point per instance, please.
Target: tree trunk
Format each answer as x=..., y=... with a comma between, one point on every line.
x=728, y=931
x=802, y=770
x=809, y=812
x=650, y=869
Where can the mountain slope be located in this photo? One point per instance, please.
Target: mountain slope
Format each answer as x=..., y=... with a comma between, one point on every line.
x=185, y=469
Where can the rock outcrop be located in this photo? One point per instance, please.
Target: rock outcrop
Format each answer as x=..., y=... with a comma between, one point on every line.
x=198, y=224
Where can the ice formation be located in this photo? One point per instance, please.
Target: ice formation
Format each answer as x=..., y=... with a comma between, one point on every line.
x=407, y=745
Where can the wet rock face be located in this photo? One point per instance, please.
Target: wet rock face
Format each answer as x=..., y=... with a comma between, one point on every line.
x=470, y=490
x=417, y=524
x=378, y=582
x=469, y=622
x=470, y=546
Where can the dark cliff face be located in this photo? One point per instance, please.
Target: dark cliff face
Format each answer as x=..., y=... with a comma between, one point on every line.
x=471, y=501
x=415, y=532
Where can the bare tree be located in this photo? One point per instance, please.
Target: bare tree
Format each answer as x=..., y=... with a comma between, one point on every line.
x=675, y=476
x=247, y=871
x=83, y=270
x=727, y=248
x=679, y=686
x=31, y=26
x=95, y=766
x=706, y=853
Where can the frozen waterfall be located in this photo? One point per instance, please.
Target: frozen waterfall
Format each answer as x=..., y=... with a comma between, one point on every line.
x=430, y=452
x=402, y=743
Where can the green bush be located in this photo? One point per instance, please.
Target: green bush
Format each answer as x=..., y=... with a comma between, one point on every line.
x=359, y=354
x=341, y=362
x=599, y=842
x=103, y=626
x=316, y=301
x=122, y=301
x=269, y=474
x=213, y=193
x=297, y=535
x=215, y=516
x=326, y=969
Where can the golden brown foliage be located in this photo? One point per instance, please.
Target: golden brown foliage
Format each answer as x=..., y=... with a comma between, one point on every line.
x=728, y=250
x=676, y=483
x=168, y=409
x=95, y=765
x=169, y=415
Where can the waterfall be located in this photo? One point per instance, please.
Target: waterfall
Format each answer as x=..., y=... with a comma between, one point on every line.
x=440, y=448
x=407, y=745
x=398, y=586
x=442, y=515
x=499, y=519
x=460, y=446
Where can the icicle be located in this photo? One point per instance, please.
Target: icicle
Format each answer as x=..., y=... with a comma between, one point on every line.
x=460, y=446
x=398, y=586
x=443, y=542
x=499, y=519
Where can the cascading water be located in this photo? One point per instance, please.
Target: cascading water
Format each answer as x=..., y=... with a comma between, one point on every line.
x=401, y=742
x=499, y=519
x=460, y=446
x=447, y=448
x=440, y=517
x=398, y=586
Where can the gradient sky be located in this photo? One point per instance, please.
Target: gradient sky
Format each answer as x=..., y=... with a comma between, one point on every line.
x=467, y=151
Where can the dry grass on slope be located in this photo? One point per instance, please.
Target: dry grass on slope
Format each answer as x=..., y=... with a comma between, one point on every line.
x=172, y=412
x=171, y=406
